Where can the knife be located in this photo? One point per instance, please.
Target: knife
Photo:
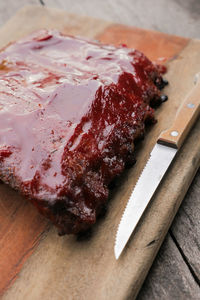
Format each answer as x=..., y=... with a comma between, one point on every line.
x=168, y=144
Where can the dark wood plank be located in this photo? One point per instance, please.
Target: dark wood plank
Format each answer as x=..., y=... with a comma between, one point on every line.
x=179, y=17
x=169, y=277
x=186, y=227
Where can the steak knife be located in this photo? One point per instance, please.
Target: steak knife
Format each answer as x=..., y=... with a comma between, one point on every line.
x=168, y=144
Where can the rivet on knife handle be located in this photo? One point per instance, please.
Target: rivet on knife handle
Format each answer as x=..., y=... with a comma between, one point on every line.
x=184, y=120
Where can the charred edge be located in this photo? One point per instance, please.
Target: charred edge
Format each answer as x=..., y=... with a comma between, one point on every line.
x=161, y=83
x=163, y=98
x=84, y=236
x=196, y=279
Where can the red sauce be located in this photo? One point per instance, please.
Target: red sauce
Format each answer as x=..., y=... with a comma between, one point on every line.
x=67, y=106
x=4, y=153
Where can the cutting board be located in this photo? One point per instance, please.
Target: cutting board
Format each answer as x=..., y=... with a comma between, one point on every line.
x=35, y=263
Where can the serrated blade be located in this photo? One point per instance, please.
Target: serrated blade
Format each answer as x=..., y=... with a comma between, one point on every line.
x=158, y=163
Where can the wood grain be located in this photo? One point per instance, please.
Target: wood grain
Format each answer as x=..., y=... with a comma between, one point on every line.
x=167, y=48
x=186, y=227
x=38, y=17
x=8, y=8
x=53, y=255
x=184, y=120
x=179, y=17
x=180, y=284
x=56, y=255
x=21, y=229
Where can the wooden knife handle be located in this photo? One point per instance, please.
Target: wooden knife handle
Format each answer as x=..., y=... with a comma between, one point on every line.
x=184, y=120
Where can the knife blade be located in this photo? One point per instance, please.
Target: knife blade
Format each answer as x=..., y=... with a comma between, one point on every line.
x=163, y=153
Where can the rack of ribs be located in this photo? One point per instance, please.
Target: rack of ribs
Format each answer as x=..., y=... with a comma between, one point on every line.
x=70, y=112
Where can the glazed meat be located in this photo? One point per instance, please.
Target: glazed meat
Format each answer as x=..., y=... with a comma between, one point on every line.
x=70, y=111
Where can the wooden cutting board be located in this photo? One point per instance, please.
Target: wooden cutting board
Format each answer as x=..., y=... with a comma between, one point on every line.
x=37, y=264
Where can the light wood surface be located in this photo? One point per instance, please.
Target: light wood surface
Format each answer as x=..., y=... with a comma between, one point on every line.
x=186, y=223
x=8, y=8
x=186, y=116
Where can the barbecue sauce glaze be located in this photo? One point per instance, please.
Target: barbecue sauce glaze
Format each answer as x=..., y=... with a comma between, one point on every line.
x=70, y=111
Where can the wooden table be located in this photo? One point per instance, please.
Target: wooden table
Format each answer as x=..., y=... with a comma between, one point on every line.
x=175, y=273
